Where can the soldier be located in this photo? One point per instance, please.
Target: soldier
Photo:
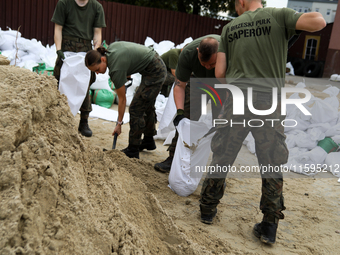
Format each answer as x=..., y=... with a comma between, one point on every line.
x=77, y=22
x=197, y=59
x=254, y=45
x=124, y=59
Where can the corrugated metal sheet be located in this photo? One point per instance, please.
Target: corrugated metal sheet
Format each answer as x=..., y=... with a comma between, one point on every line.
x=124, y=22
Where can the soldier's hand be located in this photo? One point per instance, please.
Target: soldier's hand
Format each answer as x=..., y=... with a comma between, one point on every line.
x=179, y=117
x=60, y=54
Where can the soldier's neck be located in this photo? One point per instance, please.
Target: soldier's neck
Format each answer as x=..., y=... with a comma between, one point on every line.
x=82, y=3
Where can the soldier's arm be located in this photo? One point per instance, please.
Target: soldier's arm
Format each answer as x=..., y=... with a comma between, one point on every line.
x=173, y=71
x=221, y=66
x=179, y=94
x=311, y=22
x=58, y=36
x=97, y=37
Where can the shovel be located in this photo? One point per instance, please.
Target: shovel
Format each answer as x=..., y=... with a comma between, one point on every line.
x=127, y=85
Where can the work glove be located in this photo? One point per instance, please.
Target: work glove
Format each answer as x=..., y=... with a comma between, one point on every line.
x=60, y=54
x=179, y=117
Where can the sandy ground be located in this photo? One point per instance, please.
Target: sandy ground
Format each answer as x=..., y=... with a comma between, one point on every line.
x=311, y=226
x=61, y=194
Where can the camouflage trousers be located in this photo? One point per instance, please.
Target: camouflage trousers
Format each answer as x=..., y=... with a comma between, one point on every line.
x=271, y=150
x=169, y=81
x=142, y=108
x=75, y=44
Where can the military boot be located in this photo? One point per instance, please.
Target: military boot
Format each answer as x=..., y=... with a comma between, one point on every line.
x=148, y=143
x=208, y=218
x=266, y=231
x=131, y=151
x=164, y=166
x=84, y=128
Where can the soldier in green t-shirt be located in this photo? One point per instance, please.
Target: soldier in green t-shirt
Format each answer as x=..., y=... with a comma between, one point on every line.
x=170, y=59
x=77, y=22
x=123, y=59
x=252, y=53
x=197, y=59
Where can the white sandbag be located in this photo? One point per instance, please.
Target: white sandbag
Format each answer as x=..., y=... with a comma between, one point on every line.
x=13, y=33
x=303, y=140
x=333, y=131
x=130, y=92
x=169, y=138
x=50, y=56
x=165, y=124
x=291, y=69
x=249, y=141
x=9, y=54
x=336, y=139
x=186, y=169
x=102, y=81
x=74, y=79
x=305, y=162
x=324, y=111
x=8, y=42
x=316, y=133
x=160, y=104
x=332, y=163
x=301, y=124
x=290, y=141
x=107, y=114
x=332, y=91
x=29, y=64
x=334, y=77
x=186, y=41
x=149, y=41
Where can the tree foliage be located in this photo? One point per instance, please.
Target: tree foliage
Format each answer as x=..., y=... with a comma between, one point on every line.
x=198, y=7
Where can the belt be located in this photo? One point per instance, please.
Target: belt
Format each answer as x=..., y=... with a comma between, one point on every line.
x=75, y=39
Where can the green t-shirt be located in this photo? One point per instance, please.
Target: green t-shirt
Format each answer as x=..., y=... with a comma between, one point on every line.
x=170, y=59
x=256, y=45
x=79, y=21
x=126, y=58
x=188, y=62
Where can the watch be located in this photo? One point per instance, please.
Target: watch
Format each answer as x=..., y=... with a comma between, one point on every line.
x=120, y=122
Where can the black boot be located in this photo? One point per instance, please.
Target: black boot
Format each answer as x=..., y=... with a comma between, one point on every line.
x=208, y=218
x=164, y=166
x=148, y=143
x=84, y=128
x=131, y=151
x=266, y=231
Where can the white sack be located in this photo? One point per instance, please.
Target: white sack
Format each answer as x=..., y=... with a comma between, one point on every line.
x=332, y=91
x=160, y=104
x=324, y=111
x=291, y=68
x=183, y=178
x=7, y=42
x=334, y=77
x=102, y=81
x=333, y=163
x=107, y=114
x=304, y=162
x=74, y=79
x=149, y=41
x=165, y=124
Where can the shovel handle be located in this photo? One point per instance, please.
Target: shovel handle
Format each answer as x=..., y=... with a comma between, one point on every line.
x=114, y=141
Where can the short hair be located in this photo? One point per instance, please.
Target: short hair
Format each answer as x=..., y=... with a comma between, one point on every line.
x=208, y=46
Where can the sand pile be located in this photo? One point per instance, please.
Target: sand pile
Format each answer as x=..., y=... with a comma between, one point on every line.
x=4, y=60
x=59, y=194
